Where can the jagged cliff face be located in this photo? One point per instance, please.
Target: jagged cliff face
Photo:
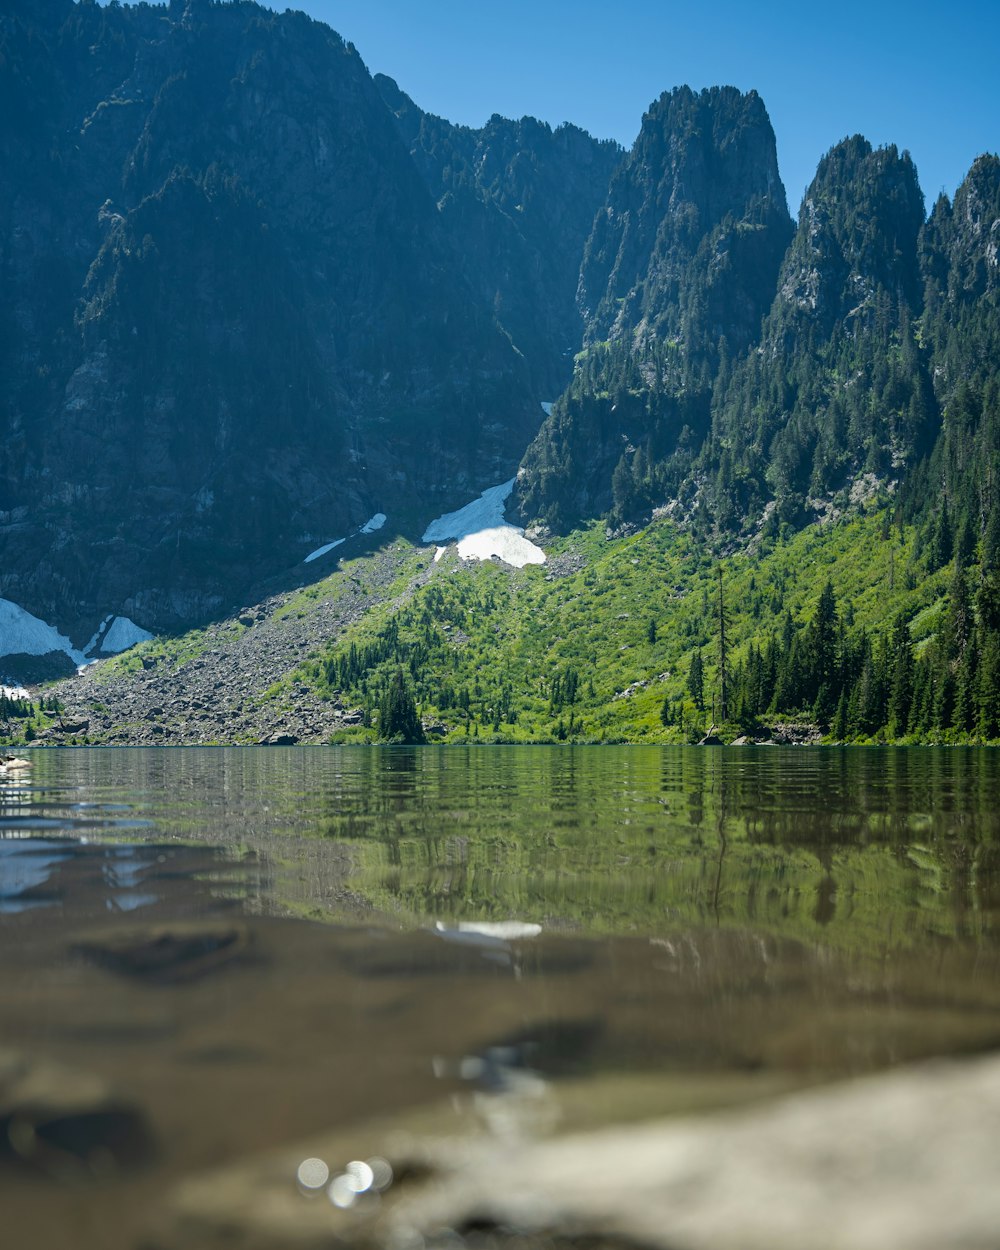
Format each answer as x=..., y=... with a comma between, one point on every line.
x=253, y=296
x=856, y=238
x=735, y=363
x=957, y=490
x=693, y=228
x=960, y=265
x=235, y=323
x=518, y=201
x=679, y=267
x=837, y=388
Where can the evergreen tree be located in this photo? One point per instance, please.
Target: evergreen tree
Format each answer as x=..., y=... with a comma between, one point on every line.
x=839, y=728
x=398, y=720
x=723, y=623
x=901, y=691
x=696, y=681
x=821, y=681
x=988, y=689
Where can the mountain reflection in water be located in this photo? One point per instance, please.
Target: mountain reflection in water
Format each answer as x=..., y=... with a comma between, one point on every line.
x=526, y=940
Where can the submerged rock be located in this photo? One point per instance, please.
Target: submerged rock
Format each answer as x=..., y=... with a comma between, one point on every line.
x=901, y=1161
x=180, y=951
x=904, y=1160
x=11, y=764
x=67, y=1124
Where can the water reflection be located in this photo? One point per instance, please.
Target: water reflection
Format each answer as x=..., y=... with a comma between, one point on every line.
x=26, y=865
x=860, y=846
x=693, y=926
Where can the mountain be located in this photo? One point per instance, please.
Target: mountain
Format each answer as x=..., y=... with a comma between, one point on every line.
x=518, y=200
x=955, y=492
x=677, y=272
x=837, y=388
x=237, y=324
x=265, y=318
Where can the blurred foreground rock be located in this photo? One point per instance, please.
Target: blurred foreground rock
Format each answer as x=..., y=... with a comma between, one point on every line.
x=66, y=1124
x=904, y=1160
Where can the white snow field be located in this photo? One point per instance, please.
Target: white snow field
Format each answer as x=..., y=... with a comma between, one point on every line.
x=124, y=634
x=481, y=532
x=96, y=635
x=24, y=634
x=370, y=526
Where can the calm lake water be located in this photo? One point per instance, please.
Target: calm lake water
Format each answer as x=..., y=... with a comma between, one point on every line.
x=205, y=954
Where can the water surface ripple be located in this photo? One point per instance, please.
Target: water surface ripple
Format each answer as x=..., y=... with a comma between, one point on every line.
x=528, y=938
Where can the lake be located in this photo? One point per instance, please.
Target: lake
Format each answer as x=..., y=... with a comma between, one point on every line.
x=209, y=954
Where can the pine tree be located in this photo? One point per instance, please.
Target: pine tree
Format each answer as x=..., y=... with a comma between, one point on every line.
x=957, y=626
x=723, y=622
x=901, y=691
x=696, y=681
x=398, y=720
x=839, y=728
x=988, y=689
x=966, y=683
x=867, y=698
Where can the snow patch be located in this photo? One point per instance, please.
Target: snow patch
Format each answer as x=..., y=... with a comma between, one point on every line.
x=24, y=634
x=482, y=513
x=504, y=541
x=321, y=551
x=370, y=526
x=14, y=692
x=438, y=553
x=124, y=634
x=97, y=633
x=481, y=531
x=546, y=408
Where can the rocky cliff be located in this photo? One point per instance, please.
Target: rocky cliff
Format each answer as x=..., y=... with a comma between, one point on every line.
x=679, y=268
x=236, y=324
x=518, y=201
x=837, y=387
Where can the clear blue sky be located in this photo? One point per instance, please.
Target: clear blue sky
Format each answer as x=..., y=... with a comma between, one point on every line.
x=925, y=76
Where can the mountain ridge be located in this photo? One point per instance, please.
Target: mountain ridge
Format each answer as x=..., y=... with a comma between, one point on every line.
x=258, y=296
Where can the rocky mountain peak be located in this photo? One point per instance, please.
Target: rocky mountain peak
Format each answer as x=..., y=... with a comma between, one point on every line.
x=698, y=200
x=857, y=233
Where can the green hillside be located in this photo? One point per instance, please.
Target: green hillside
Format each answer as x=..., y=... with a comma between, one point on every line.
x=599, y=644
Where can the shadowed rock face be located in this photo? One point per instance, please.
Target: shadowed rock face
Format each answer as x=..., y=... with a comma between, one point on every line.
x=236, y=320
x=696, y=209
x=518, y=201
x=960, y=267
x=678, y=270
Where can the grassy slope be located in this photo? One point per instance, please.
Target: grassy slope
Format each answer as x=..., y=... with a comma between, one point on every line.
x=501, y=636
x=496, y=637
